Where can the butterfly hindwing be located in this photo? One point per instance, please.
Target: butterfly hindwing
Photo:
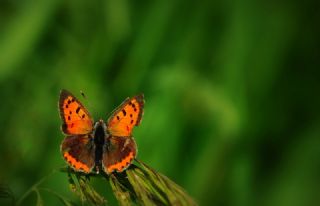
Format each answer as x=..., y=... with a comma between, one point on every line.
x=126, y=116
x=76, y=119
x=78, y=151
x=118, y=155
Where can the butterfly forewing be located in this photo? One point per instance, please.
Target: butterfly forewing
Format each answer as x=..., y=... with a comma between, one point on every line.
x=76, y=119
x=126, y=116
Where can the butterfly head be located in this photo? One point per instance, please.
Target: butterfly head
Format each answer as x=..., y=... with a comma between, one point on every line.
x=99, y=133
x=100, y=122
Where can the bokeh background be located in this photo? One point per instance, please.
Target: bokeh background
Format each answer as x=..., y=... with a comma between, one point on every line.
x=231, y=89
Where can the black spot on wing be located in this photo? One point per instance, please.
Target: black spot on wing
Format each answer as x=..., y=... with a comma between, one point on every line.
x=77, y=110
x=64, y=127
x=124, y=112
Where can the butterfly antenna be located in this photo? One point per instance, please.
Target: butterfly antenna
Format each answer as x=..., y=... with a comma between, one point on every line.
x=85, y=99
x=82, y=94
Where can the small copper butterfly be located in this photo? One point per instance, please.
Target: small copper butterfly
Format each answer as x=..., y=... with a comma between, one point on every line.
x=94, y=146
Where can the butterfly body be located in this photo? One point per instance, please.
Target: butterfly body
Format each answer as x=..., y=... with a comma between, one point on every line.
x=101, y=140
x=100, y=146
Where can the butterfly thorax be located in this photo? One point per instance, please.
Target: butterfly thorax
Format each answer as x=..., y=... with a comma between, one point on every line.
x=99, y=132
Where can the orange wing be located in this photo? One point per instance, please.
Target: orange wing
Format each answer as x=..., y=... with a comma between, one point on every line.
x=78, y=151
x=119, y=155
x=76, y=119
x=126, y=116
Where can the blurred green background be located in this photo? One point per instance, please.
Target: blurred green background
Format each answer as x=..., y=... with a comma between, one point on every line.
x=231, y=90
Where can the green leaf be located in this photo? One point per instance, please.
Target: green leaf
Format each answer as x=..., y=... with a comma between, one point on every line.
x=83, y=188
x=139, y=184
x=5, y=192
x=39, y=198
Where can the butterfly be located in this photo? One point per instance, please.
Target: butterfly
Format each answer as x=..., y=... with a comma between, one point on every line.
x=94, y=146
